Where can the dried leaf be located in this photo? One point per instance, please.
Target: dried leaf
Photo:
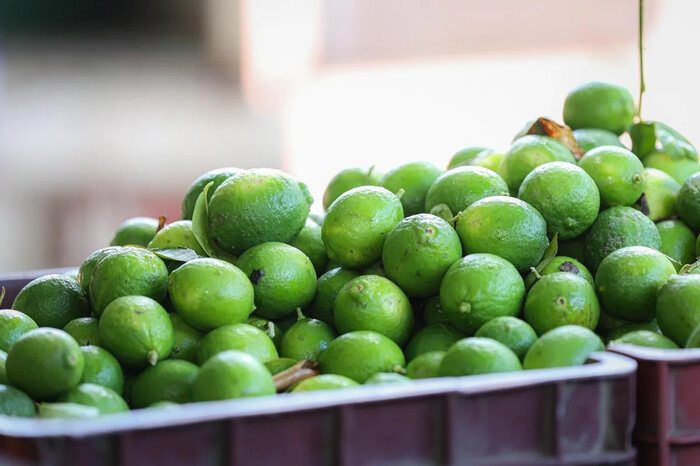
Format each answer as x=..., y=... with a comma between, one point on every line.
x=176, y=254
x=300, y=371
x=161, y=223
x=562, y=133
x=549, y=254
x=200, y=228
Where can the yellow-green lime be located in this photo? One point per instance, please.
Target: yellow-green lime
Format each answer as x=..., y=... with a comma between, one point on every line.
x=516, y=334
x=387, y=378
x=679, y=169
x=88, y=266
x=232, y=374
x=271, y=329
x=185, y=339
x=475, y=355
x=84, y=331
x=527, y=153
x=15, y=403
x=177, y=235
x=645, y=338
x=590, y=138
x=306, y=339
x=216, y=177
x=414, y=178
x=13, y=324
x=465, y=156
x=136, y=231
x=425, y=366
x=348, y=179
x=241, y=337
x=52, y=301
x=433, y=337
x=677, y=242
x=617, y=172
x=677, y=310
x=660, y=193
x=462, y=186
x=67, y=411
x=569, y=345
x=324, y=382
x=106, y=400
x=568, y=265
x=309, y=241
x=166, y=381
x=688, y=202
x=599, y=105
x=102, y=368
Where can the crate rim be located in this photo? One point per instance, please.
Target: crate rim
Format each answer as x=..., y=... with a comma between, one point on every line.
x=672, y=356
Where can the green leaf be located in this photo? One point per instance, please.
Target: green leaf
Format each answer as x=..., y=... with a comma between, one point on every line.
x=200, y=228
x=549, y=254
x=176, y=254
x=651, y=136
x=643, y=137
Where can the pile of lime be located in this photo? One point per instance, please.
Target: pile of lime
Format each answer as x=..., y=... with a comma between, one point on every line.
x=529, y=258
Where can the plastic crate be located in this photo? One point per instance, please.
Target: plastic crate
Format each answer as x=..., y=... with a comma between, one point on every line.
x=667, y=430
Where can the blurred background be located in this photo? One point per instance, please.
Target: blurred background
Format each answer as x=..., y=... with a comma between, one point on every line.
x=110, y=109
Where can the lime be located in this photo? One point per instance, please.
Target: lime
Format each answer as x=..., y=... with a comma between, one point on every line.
x=44, y=363
x=387, y=378
x=414, y=179
x=569, y=345
x=573, y=248
x=488, y=159
x=478, y=288
x=433, y=312
x=679, y=169
x=177, y=235
x=164, y=404
x=67, y=411
x=14, y=402
x=271, y=329
x=306, y=339
x=348, y=179
x=444, y=212
x=433, y=337
x=677, y=242
x=257, y=206
x=688, y=202
x=660, y=193
x=504, y=226
x=371, y=302
x=106, y=400
x=3, y=369
x=280, y=364
x=617, y=331
x=137, y=331
x=241, y=337
x=359, y=355
x=694, y=338
x=677, y=311
x=645, y=338
x=232, y=374
x=425, y=366
x=102, y=368
x=216, y=177
x=599, y=105
x=13, y=324
x=617, y=172
x=309, y=242
x=473, y=356
x=462, y=186
x=628, y=280
x=568, y=265
x=88, y=266
x=590, y=138
x=84, y=331
x=186, y=339
x=357, y=224
x=283, y=278
x=324, y=382
x=208, y=293
x=616, y=228
x=136, y=231
x=418, y=252
x=130, y=271
x=52, y=301
x=529, y=152
x=560, y=299
x=516, y=334
x=465, y=156
x=166, y=381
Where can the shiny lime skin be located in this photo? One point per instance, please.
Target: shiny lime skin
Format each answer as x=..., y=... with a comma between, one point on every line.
x=357, y=224
x=166, y=381
x=645, y=338
x=677, y=242
x=568, y=265
x=599, y=105
x=324, y=382
x=677, y=311
x=52, y=301
x=462, y=186
x=688, y=202
x=415, y=178
x=516, y=334
x=102, y=368
x=216, y=176
x=106, y=400
x=309, y=241
x=465, y=156
x=232, y=374
x=84, y=330
x=679, y=169
x=478, y=288
x=661, y=192
x=504, y=226
x=527, y=153
x=13, y=324
x=433, y=337
x=569, y=345
x=590, y=138
x=177, y=235
x=348, y=179
x=418, y=252
x=617, y=172
x=88, y=266
x=327, y=288
x=239, y=337
x=306, y=339
x=475, y=355
x=137, y=231
x=425, y=366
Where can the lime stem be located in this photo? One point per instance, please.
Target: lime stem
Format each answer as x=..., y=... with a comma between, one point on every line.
x=271, y=329
x=642, y=85
x=400, y=193
x=300, y=315
x=152, y=357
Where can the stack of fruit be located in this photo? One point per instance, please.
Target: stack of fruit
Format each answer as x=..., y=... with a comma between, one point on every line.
x=526, y=259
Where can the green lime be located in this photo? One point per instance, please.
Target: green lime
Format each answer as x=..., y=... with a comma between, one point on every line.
x=44, y=363
x=283, y=278
x=130, y=271
x=208, y=293
x=433, y=337
x=280, y=364
x=186, y=339
x=232, y=374
x=599, y=105
x=688, y=202
x=462, y=186
x=166, y=381
x=679, y=169
x=241, y=337
x=529, y=152
x=617, y=172
x=432, y=311
x=357, y=224
x=371, y=302
x=617, y=228
x=106, y=400
x=444, y=212
x=52, y=301
x=694, y=338
x=84, y=331
x=271, y=329
x=216, y=177
x=504, y=226
x=306, y=339
x=677, y=242
x=618, y=330
x=15, y=403
x=387, y=378
x=13, y=324
x=418, y=252
x=628, y=280
x=478, y=288
x=309, y=242
x=660, y=193
x=414, y=179
x=590, y=138
x=137, y=331
x=677, y=311
x=488, y=159
x=3, y=369
x=473, y=356
x=568, y=265
x=88, y=266
x=565, y=195
x=569, y=345
x=177, y=235
x=465, y=156
x=516, y=334
x=425, y=366
x=645, y=338
x=324, y=382
x=560, y=299
x=573, y=248
x=257, y=206
x=67, y=411
x=102, y=368
x=359, y=355
x=348, y=179
x=136, y=231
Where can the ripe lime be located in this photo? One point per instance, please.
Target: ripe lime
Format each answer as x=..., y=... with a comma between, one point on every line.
x=97, y=396
x=527, y=153
x=645, y=338
x=473, y=356
x=84, y=331
x=186, y=339
x=569, y=345
x=177, y=235
x=660, y=193
x=13, y=324
x=433, y=337
x=136, y=231
x=241, y=337
x=590, y=138
x=677, y=311
x=309, y=242
x=324, y=382
x=359, y=355
x=677, y=242
x=425, y=366
x=617, y=172
x=216, y=176
x=568, y=265
x=327, y=288
x=166, y=381
x=414, y=179
x=462, y=186
x=516, y=334
x=465, y=156
x=348, y=179
x=306, y=339
x=232, y=374
x=15, y=403
x=52, y=301
x=102, y=368
x=688, y=202
x=599, y=105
